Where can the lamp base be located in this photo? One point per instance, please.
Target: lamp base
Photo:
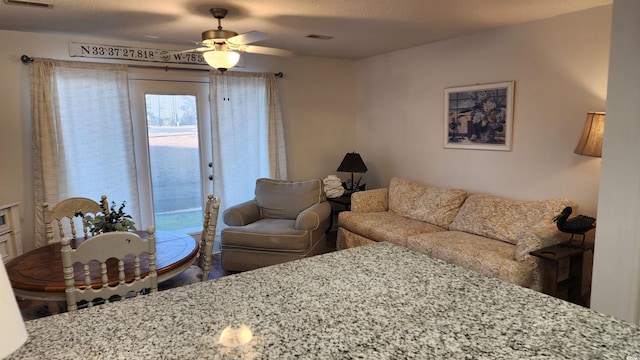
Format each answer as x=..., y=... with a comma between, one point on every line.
x=349, y=190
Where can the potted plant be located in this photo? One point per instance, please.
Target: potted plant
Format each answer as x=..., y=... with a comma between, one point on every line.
x=109, y=220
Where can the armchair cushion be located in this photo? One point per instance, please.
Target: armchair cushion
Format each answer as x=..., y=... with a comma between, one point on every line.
x=313, y=217
x=268, y=234
x=279, y=199
x=242, y=214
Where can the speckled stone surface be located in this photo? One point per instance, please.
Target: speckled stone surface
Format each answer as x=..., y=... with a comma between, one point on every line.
x=372, y=302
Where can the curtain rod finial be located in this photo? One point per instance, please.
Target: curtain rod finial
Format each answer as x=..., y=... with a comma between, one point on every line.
x=25, y=59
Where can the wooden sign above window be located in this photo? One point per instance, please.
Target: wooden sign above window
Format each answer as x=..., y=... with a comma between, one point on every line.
x=134, y=53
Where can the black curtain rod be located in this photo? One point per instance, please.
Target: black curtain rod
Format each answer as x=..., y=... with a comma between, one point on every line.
x=28, y=60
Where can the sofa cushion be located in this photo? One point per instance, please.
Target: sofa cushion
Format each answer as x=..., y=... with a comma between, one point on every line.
x=486, y=256
x=529, y=241
x=280, y=199
x=384, y=226
x=376, y=200
x=505, y=219
x=347, y=240
x=416, y=201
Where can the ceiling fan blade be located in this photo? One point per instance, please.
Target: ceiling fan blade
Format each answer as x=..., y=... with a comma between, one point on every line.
x=248, y=38
x=172, y=40
x=266, y=50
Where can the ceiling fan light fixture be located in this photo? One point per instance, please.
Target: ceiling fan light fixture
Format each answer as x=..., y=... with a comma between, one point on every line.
x=221, y=60
x=221, y=48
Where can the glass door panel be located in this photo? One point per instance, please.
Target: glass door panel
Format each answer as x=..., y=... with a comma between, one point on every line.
x=174, y=157
x=173, y=152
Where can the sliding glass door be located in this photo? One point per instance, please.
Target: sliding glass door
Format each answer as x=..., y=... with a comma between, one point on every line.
x=173, y=152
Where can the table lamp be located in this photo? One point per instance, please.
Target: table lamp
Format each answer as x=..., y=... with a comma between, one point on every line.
x=353, y=163
x=590, y=143
x=13, y=333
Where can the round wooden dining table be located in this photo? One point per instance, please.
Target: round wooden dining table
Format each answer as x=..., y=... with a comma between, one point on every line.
x=37, y=274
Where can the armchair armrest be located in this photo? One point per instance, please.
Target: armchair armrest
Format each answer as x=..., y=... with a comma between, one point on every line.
x=376, y=200
x=313, y=216
x=242, y=214
x=537, y=239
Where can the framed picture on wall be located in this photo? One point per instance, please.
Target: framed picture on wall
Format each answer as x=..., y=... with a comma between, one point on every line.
x=479, y=117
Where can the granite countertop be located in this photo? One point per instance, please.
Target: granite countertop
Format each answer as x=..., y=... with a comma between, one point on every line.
x=373, y=302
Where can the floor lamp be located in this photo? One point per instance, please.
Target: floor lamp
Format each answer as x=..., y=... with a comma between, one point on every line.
x=590, y=143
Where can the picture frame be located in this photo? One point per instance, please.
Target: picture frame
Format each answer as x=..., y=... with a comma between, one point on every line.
x=479, y=117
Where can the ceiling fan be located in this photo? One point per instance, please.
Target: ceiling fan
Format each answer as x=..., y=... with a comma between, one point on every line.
x=221, y=48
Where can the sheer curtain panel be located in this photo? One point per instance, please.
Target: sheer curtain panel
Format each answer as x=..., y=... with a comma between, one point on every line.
x=82, y=135
x=247, y=134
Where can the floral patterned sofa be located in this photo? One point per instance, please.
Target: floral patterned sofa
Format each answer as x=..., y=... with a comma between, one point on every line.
x=485, y=233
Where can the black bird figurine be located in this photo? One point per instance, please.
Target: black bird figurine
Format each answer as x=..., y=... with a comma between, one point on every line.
x=579, y=224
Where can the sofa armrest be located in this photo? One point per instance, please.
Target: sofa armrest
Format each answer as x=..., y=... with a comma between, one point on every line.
x=242, y=214
x=537, y=239
x=376, y=200
x=313, y=216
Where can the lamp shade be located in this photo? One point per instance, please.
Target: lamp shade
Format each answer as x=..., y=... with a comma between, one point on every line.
x=352, y=162
x=221, y=60
x=590, y=143
x=13, y=333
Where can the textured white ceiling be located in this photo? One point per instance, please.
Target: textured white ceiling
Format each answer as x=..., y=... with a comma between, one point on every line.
x=360, y=28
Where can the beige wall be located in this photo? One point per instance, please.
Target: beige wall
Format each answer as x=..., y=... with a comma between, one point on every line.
x=559, y=66
x=317, y=94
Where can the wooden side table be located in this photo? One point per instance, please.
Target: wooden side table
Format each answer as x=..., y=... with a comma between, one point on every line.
x=339, y=204
x=551, y=257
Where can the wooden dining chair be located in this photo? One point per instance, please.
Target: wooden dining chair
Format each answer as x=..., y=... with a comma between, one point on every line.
x=208, y=235
x=66, y=213
x=114, y=279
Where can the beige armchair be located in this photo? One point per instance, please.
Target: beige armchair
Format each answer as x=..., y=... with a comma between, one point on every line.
x=287, y=220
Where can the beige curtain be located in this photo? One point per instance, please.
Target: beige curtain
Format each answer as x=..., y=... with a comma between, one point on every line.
x=247, y=133
x=82, y=135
